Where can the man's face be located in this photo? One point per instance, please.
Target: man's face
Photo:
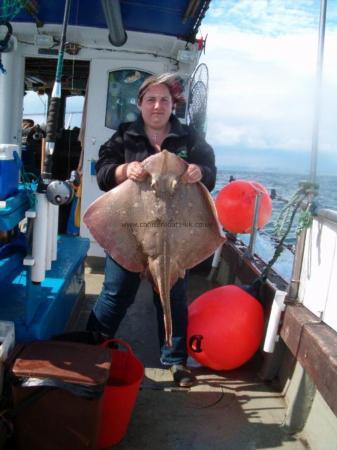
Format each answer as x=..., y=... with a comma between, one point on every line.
x=156, y=106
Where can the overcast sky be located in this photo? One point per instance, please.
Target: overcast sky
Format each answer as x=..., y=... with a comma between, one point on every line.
x=261, y=56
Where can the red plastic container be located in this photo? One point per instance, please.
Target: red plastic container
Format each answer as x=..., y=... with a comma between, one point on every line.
x=120, y=394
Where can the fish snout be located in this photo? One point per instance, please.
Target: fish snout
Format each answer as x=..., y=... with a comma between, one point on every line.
x=154, y=184
x=173, y=185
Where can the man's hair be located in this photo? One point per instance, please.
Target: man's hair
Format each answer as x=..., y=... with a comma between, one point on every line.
x=170, y=80
x=27, y=123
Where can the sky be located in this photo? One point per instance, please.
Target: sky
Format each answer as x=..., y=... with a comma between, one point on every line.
x=262, y=60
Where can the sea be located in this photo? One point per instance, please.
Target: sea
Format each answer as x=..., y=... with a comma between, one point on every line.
x=284, y=186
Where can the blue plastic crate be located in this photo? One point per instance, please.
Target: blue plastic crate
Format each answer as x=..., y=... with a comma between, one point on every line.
x=13, y=210
x=40, y=311
x=10, y=164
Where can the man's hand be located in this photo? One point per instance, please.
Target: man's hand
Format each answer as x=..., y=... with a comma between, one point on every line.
x=192, y=174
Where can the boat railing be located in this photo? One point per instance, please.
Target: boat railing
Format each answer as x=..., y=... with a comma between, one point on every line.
x=326, y=213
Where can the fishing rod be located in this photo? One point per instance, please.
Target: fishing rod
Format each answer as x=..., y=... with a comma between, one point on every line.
x=48, y=146
x=50, y=194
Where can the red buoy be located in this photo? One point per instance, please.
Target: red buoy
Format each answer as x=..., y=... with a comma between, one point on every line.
x=225, y=327
x=235, y=206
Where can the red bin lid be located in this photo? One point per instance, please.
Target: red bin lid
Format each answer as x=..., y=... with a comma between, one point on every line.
x=70, y=362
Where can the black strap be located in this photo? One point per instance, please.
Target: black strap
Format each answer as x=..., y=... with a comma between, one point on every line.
x=7, y=416
x=27, y=401
x=5, y=40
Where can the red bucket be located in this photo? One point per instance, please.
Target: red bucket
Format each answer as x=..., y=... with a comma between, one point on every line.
x=126, y=374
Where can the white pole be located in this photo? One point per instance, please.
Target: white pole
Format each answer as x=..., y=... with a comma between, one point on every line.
x=17, y=99
x=40, y=238
x=274, y=321
x=215, y=262
x=7, y=91
x=56, y=210
x=216, y=257
x=49, y=242
x=252, y=240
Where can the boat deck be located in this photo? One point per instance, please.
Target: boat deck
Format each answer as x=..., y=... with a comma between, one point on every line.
x=231, y=410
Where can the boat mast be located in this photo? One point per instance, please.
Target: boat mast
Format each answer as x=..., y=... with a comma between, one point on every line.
x=293, y=287
x=317, y=106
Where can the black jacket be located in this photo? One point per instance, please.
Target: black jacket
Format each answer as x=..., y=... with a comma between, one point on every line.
x=130, y=143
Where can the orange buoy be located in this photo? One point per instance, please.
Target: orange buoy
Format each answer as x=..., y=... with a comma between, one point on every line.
x=225, y=327
x=235, y=206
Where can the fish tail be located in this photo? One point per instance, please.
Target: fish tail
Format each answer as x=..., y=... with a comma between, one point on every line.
x=160, y=271
x=166, y=276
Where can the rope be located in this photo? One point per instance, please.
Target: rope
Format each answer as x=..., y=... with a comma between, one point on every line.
x=29, y=181
x=10, y=8
x=306, y=192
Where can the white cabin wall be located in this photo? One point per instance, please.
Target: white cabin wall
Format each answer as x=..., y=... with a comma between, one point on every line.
x=19, y=90
x=94, y=44
x=11, y=97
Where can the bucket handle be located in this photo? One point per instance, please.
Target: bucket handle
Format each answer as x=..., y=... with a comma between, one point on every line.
x=118, y=341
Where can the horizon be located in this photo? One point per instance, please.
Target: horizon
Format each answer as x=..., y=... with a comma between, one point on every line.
x=271, y=170
x=274, y=160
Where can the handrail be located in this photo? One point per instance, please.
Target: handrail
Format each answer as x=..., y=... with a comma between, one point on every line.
x=326, y=213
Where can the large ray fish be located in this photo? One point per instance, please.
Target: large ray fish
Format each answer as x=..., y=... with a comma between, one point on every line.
x=159, y=226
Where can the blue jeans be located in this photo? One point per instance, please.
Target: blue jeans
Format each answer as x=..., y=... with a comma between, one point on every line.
x=118, y=293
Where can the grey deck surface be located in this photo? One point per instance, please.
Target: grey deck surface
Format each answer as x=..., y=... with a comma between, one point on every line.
x=230, y=410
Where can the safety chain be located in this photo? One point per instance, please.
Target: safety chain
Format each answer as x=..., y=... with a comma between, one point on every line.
x=306, y=191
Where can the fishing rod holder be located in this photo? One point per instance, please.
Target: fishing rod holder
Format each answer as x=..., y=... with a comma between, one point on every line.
x=45, y=229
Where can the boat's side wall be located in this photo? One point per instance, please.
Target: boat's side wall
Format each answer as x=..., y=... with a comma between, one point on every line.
x=308, y=412
x=303, y=365
x=321, y=426
x=318, y=280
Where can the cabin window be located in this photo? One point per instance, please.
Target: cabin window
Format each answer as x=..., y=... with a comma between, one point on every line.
x=73, y=111
x=122, y=96
x=35, y=107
